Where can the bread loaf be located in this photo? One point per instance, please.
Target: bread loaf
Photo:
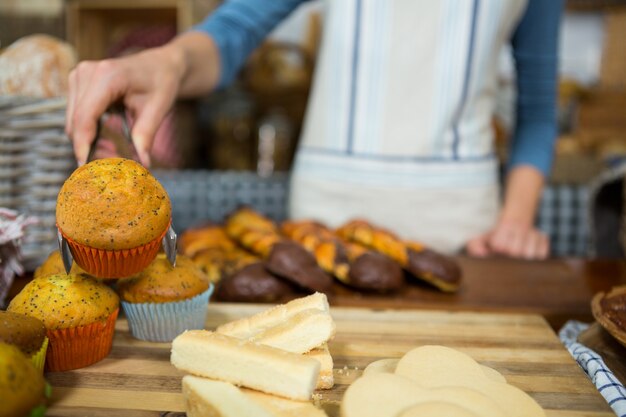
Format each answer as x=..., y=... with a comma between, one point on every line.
x=36, y=66
x=244, y=363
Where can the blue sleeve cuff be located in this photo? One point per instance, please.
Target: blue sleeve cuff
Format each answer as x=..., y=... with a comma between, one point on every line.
x=534, y=146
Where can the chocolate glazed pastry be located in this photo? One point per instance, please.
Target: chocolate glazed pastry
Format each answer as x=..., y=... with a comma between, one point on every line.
x=421, y=262
x=610, y=311
x=291, y=261
x=351, y=264
x=253, y=283
x=284, y=258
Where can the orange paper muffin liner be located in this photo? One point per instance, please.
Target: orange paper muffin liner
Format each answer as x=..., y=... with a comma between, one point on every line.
x=77, y=347
x=121, y=263
x=39, y=358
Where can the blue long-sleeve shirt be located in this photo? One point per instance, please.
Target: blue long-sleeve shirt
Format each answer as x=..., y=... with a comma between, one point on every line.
x=239, y=26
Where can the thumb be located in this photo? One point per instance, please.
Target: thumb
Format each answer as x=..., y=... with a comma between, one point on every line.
x=145, y=127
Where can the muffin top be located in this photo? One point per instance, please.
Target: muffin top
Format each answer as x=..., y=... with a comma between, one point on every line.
x=54, y=265
x=22, y=383
x=26, y=333
x=61, y=301
x=161, y=283
x=111, y=204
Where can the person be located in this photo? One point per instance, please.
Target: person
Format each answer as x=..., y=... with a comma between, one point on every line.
x=398, y=126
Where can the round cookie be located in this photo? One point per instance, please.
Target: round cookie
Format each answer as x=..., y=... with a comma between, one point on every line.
x=437, y=409
x=438, y=366
x=25, y=332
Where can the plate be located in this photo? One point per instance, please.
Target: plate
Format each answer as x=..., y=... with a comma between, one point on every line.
x=603, y=316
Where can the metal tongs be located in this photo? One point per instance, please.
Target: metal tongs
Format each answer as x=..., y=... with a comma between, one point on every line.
x=170, y=240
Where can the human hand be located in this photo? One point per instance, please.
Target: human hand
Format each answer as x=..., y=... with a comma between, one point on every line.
x=513, y=239
x=147, y=83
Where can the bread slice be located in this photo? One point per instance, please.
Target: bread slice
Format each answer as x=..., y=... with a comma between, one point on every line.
x=249, y=327
x=300, y=333
x=326, y=379
x=282, y=407
x=211, y=398
x=207, y=397
x=244, y=363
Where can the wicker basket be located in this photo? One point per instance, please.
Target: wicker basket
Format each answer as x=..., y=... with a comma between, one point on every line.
x=35, y=159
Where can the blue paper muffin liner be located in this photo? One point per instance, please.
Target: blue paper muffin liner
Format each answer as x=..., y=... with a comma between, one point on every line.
x=162, y=322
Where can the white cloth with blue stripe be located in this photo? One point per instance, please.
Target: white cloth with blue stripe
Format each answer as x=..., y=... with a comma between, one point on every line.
x=606, y=382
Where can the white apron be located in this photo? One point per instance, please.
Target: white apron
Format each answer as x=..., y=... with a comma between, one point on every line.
x=398, y=128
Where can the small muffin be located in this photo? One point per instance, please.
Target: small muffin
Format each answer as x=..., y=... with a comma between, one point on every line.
x=54, y=265
x=114, y=215
x=79, y=313
x=23, y=390
x=163, y=301
x=27, y=334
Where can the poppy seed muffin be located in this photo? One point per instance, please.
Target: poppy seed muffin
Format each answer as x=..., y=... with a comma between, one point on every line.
x=79, y=314
x=62, y=301
x=113, y=203
x=54, y=265
x=160, y=282
x=163, y=301
x=114, y=214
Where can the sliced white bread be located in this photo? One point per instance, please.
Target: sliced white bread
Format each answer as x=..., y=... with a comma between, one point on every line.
x=249, y=327
x=321, y=354
x=211, y=398
x=299, y=333
x=282, y=407
x=244, y=363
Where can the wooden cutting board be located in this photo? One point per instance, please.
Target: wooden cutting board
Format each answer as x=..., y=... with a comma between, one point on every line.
x=137, y=380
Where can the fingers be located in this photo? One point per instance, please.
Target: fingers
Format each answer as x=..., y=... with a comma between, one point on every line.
x=148, y=120
x=478, y=246
x=94, y=86
x=71, y=98
x=519, y=242
x=536, y=245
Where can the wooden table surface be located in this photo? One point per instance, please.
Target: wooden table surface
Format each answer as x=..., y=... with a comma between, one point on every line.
x=558, y=289
x=137, y=379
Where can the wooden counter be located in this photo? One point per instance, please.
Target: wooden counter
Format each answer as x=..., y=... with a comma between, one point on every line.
x=137, y=380
x=558, y=290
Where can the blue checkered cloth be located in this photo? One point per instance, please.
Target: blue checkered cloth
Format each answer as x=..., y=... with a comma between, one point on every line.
x=211, y=195
x=563, y=216
x=609, y=386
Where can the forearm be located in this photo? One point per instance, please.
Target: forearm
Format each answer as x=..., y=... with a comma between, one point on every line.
x=524, y=185
x=196, y=60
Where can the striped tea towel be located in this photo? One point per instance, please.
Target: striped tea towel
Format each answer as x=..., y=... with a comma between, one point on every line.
x=606, y=382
